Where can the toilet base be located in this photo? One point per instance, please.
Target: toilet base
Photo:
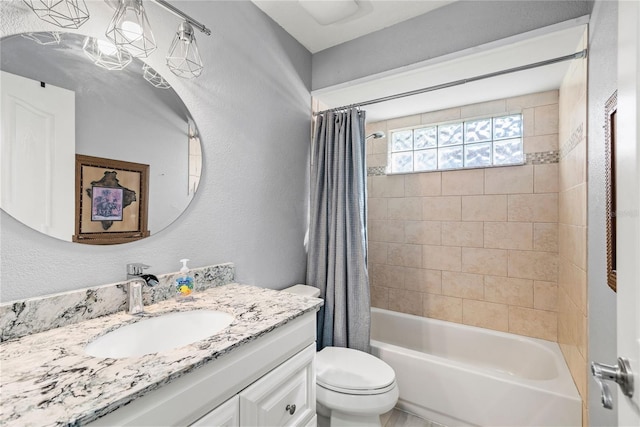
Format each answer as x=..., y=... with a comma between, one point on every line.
x=329, y=418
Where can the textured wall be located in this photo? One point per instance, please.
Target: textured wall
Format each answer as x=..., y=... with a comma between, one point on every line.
x=475, y=246
x=252, y=108
x=572, y=224
x=461, y=25
x=602, y=300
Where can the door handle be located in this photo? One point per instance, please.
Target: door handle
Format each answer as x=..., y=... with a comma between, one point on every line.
x=620, y=374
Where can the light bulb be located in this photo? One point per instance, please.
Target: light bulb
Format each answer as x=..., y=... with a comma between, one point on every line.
x=107, y=47
x=129, y=29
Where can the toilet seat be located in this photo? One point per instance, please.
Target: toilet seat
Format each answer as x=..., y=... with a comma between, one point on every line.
x=353, y=372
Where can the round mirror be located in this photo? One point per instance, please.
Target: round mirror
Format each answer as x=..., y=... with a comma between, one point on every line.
x=96, y=146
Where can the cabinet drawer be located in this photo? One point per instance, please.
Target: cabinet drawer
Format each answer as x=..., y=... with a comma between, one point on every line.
x=286, y=396
x=225, y=415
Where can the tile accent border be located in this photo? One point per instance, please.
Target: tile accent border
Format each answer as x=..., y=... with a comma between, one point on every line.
x=576, y=137
x=542, y=158
x=24, y=317
x=376, y=171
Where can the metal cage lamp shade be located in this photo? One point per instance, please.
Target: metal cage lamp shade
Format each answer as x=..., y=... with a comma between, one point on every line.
x=153, y=77
x=44, y=38
x=62, y=13
x=184, y=58
x=129, y=29
x=105, y=54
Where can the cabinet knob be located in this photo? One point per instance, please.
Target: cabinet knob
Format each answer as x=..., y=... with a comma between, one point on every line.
x=291, y=409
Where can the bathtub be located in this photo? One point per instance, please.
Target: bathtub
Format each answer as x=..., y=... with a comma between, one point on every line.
x=460, y=375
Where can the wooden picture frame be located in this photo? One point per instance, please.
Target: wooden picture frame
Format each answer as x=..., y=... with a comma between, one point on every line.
x=610, y=116
x=112, y=199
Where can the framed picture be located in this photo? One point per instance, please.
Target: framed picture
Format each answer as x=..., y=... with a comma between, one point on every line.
x=610, y=134
x=112, y=199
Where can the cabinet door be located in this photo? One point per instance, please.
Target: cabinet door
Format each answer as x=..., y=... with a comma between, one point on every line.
x=225, y=415
x=284, y=397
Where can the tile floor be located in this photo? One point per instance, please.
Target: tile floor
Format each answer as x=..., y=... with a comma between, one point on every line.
x=398, y=418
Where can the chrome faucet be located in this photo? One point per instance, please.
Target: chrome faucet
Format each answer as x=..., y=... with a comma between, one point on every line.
x=135, y=304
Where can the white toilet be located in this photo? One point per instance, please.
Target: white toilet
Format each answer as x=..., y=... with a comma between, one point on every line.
x=353, y=387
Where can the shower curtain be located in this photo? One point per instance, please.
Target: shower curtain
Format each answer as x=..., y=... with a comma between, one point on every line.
x=337, y=251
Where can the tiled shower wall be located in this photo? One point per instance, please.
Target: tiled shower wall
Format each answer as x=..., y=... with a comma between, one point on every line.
x=572, y=227
x=478, y=246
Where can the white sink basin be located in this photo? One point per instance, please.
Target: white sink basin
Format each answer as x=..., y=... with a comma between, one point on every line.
x=155, y=334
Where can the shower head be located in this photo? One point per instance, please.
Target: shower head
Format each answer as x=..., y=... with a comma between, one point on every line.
x=376, y=135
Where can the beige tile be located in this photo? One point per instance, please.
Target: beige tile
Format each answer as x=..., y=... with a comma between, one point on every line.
x=387, y=276
x=572, y=205
x=380, y=297
x=386, y=231
x=573, y=282
x=533, y=265
x=533, y=323
x=446, y=258
x=485, y=314
x=443, y=308
x=545, y=295
x=572, y=244
x=372, y=127
x=533, y=207
x=380, y=145
x=423, y=232
x=403, y=122
x=377, y=159
x=387, y=186
x=533, y=100
x=463, y=182
x=485, y=261
x=508, y=235
x=456, y=233
x=439, y=116
x=528, y=122
x=377, y=252
x=405, y=208
x=444, y=208
x=423, y=184
x=546, y=118
x=541, y=143
x=377, y=208
x=405, y=301
x=423, y=280
x=462, y=285
x=573, y=168
x=545, y=237
x=509, y=180
x=484, y=208
x=405, y=255
x=508, y=290
x=545, y=178
x=484, y=108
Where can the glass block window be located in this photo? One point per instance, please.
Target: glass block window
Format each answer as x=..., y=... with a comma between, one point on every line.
x=493, y=141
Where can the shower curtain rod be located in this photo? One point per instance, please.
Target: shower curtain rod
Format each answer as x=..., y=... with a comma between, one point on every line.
x=577, y=55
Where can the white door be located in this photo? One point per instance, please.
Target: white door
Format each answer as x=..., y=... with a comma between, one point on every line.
x=628, y=203
x=38, y=155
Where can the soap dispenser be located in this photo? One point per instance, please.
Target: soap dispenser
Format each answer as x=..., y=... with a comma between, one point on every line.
x=184, y=283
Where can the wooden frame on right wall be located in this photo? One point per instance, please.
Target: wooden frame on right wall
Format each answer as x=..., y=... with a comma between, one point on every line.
x=610, y=118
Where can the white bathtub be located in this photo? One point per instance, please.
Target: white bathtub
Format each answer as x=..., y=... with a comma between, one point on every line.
x=460, y=375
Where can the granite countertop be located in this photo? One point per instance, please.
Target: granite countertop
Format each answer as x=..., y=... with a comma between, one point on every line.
x=46, y=379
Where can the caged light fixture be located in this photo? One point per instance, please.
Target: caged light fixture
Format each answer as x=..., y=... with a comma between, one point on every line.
x=44, y=38
x=105, y=54
x=130, y=32
x=129, y=29
x=63, y=13
x=183, y=58
x=153, y=77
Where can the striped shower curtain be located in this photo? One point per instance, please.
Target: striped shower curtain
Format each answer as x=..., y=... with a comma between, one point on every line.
x=337, y=252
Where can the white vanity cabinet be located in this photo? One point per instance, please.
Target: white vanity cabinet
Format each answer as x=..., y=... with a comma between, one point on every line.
x=269, y=381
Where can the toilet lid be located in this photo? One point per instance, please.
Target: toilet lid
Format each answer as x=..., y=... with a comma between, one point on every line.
x=352, y=371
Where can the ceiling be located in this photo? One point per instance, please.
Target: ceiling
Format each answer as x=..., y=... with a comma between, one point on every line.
x=370, y=16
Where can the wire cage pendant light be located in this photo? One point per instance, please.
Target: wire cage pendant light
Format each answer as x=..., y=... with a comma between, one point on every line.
x=153, y=77
x=44, y=38
x=129, y=29
x=105, y=54
x=184, y=58
x=63, y=13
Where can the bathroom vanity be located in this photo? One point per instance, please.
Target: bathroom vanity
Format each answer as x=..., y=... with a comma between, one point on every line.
x=257, y=371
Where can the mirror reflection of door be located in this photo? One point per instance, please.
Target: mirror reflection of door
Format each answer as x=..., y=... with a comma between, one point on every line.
x=611, y=139
x=38, y=154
